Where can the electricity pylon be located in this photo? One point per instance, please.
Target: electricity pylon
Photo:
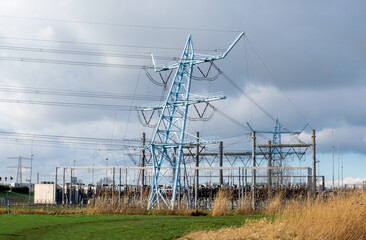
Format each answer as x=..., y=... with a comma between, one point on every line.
x=168, y=139
x=20, y=167
x=277, y=131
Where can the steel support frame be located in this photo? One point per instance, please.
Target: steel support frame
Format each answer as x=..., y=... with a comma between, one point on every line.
x=168, y=139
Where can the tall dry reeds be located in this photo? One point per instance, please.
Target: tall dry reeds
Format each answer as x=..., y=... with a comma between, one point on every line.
x=337, y=217
x=222, y=203
x=130, y=204
x=115, y=205
x=274, y=205
x=244, y=206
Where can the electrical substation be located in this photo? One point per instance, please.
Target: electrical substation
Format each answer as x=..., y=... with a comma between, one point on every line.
x=176, y=168
x=191, y=120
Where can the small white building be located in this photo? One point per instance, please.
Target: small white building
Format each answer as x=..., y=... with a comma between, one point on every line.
x=44, y=193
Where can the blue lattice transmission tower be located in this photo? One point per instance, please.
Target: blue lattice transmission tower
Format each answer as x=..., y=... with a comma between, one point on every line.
x=168, y=140
x=277, y=155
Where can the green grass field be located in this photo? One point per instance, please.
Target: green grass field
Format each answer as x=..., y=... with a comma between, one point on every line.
x=18, y=226
x=17, y=198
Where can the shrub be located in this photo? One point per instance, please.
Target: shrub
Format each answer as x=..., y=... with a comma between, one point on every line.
x=20, y=189
x=4, y=188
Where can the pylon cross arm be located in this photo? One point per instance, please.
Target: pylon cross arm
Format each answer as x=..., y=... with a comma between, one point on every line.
x=181, y=103
x=204, y=58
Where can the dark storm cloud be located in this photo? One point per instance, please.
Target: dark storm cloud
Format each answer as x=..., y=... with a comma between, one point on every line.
x=315, y=51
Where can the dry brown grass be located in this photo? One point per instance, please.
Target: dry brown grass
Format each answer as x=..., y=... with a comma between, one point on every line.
x=222, y=203
x=244, y=206
x=44, y=211
x=109, y=205
x=338, y=217
x=274, y=205
x=130, y=204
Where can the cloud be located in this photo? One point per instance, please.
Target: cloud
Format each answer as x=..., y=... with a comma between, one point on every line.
x=310, y=67
x=348, y=181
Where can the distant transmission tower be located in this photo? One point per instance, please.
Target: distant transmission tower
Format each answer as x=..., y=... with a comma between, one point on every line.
x=168, y=140
x=277, y=131
x=20, y=167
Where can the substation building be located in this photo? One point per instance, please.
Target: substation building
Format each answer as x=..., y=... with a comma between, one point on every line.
x=50, y=193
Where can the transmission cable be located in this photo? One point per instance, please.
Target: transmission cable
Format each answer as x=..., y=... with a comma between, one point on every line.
x=129, y=116
x=73, y=93
x=63, y=137
x=85, y=53
x=250, y=98
x=246, y=95
x=74, y=104
x=276, y=81
x=103, y=44
x=249, y=83
x=230, y=118
x=78, y=63
x=121, y=25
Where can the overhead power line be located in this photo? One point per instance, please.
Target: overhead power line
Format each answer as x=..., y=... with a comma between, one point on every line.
x=105, y=44
x=73, y=93
x=231, y=119
x=78, y=63
x=58, y=140
x=74, y=104
x=121, y=25
x=276, y=81
x=63, y=137
x=232, y=82
x=46, y=142
x=85, y=53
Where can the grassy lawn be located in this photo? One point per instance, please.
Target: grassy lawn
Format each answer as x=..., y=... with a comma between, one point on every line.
x=18, y=226
x=16, y=198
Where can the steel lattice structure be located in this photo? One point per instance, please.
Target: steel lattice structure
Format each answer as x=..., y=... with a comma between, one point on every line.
x=277, y=154
x=169, y=137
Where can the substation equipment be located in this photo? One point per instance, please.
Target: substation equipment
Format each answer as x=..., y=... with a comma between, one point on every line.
x=171, y=154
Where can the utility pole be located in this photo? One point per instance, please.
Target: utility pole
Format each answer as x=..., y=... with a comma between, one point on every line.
x=63, y=186
x=197, y=171
x=56, y=185
x=113, y=185
x=221, y=178
x=30, y=176
x=314, y=162
x=143, y=157
x=338, y=173
x=93, y=170
x=253, y=171
x=333, y=166
x=30, y=173
x=70, y=194
x=338, y=167
x=342, y=175
x=269, y=172
x=106, y=172
x=120, y=183
x=126, y=182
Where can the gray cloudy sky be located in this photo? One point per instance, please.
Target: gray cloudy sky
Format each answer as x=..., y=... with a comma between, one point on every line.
x=302, y=61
